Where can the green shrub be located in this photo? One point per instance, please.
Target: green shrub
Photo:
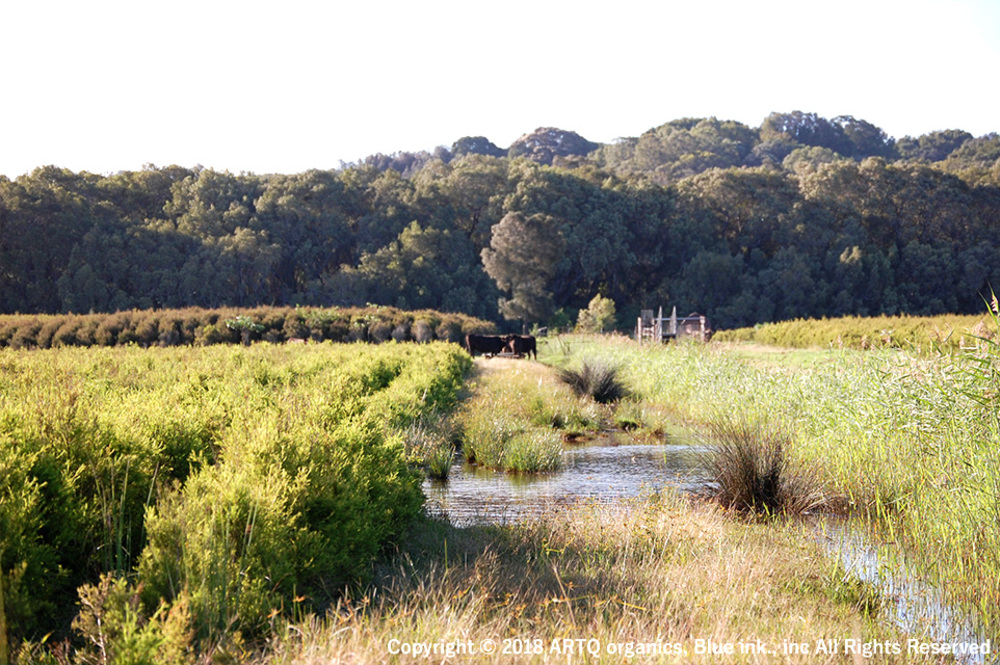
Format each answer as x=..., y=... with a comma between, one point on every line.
x=300, y=514
x=115, y=629
x=113, y=459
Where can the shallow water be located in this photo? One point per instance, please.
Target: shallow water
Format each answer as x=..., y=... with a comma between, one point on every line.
x=614, y=467
x=913, y=605
x=606, y=469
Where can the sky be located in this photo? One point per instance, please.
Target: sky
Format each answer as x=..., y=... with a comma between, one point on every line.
x=283, y=87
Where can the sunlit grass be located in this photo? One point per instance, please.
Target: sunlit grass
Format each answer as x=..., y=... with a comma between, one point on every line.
x=655, y=569
x=911, y=442
x=518, y=414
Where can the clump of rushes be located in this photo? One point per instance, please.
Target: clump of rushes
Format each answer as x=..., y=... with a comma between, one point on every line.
x=486, y=436
x=598, y=380
x=748, y=465
x=533, y=451
x=430, y=447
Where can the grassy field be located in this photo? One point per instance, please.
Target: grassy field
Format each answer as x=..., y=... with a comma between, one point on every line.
x=262, y=504
x=910, y=442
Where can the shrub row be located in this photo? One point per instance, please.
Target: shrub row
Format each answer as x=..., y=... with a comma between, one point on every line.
x=194, y=326
x=948, y=332
x=213, y=485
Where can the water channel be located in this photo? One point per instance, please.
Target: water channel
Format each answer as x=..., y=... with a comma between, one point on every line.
x=606, y=469
x=615, y=466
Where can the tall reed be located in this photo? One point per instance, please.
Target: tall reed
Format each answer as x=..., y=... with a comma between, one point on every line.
x=909, y=441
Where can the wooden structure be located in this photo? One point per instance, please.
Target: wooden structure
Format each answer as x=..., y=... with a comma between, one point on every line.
x=660, y=329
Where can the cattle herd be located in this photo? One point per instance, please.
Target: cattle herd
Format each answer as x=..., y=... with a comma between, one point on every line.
x=492, y=345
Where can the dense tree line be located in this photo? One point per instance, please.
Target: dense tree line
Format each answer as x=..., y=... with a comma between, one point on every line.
x=800, y=217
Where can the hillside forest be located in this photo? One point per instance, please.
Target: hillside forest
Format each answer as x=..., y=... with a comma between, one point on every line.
x=803, y=216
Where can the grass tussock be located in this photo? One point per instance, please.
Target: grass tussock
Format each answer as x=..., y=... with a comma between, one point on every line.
x=598, y=380
x=750, y=470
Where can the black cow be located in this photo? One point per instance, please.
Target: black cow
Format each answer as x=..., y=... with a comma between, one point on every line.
x=488, y=344
x=521, y=345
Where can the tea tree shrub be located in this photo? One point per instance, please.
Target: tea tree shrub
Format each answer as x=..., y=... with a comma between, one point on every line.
x=192, y=325
x=232, y=479
x=950, y=332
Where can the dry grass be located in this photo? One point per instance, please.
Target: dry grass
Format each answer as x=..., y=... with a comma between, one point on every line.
x=656, y=570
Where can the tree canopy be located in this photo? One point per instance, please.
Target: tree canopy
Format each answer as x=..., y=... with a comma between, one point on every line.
x=800, y=217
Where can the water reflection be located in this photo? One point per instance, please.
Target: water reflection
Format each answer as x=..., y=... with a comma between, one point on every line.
x=915, y=606
x=609, y=468
x=614, y=467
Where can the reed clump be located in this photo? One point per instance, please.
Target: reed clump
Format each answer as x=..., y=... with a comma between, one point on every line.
x=750, y=470
x=601, y=381
x=430, y=445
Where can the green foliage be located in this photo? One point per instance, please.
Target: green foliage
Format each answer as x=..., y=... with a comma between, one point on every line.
x=230, y=482
x=598, y=317
x=803, y=217
x=116, y=630
x=521, y=258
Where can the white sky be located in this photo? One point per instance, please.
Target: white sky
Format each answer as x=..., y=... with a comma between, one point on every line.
x=288, y=85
